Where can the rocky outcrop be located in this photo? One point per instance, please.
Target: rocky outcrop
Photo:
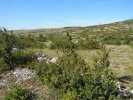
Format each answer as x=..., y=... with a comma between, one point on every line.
x=23, y=73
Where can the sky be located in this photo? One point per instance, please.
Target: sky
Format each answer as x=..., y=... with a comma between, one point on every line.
x=33, y=14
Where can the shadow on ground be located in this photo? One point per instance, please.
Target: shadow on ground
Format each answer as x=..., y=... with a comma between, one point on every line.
x=125, y=79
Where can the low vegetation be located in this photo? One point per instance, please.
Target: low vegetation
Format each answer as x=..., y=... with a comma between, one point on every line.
x=71, y=76
x=17, y=93
x=78, y=80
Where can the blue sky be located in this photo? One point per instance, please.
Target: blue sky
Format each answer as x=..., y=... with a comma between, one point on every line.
x=30, y=14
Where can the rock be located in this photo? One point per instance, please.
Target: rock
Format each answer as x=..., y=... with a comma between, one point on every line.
x=124, y=91
x=41, y=57
x=14, y=49
x=127, y=91
x=53, y=60
x=131, y=91
x=23, y=73
x=3, y=84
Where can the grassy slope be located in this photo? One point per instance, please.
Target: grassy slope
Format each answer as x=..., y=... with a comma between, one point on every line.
x=121, y=57
x=106, y=27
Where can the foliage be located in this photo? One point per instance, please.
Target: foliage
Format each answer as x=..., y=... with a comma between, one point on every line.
x=69, y=96
x=7, y=46
x=89, y=43
x=99, y=79
x=20, y=57
x=30, y=42
x=9, y=57
x=41, y=38
x=17, y=93
x=3, y=65
x=117, y=38
x=74, y=78
x=61, y=42
x=113, y=34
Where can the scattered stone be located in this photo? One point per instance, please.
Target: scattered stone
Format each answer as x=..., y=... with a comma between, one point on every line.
x=42, y=57
x=124, y=91
x=23, y=73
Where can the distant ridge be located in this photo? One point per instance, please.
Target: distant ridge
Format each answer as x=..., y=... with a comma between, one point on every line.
x=129, y=21
x=126, y=24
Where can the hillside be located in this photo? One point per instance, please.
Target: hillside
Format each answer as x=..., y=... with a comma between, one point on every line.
x=122, y=25
x=70, y=63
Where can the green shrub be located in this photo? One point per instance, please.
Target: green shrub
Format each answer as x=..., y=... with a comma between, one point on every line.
x=30, y=42
x=62, y=42
x=74, y=78
x=69, y=96
x=7, y=45
x=17, y=93
x=41, y=38
x=10, y=57
x=3, y=65
x=20, y=57
x=89, y=43
x=65, y=41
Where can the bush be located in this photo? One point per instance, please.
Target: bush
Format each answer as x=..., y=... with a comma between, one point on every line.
x=20, y=57
x=88, y=43
x=10, y=58
x=61, y=42
x=3, y=65
x=29, y=42
x=69, y=96
x=41, y=38
x=17, y=93
x=74, y=78
x=7, y=46
x=65, y=42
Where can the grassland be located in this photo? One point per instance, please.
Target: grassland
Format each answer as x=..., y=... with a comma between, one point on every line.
x=121, y=56
x=121, y=60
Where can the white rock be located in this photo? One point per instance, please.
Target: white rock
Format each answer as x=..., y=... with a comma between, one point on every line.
x=3, y=83
x=23, y=73
x=14, y=49
x=53, y=60
x=131, y=91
